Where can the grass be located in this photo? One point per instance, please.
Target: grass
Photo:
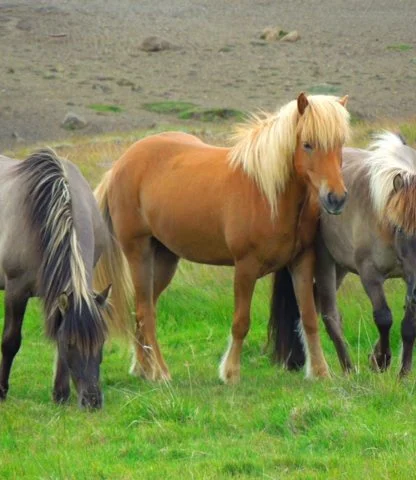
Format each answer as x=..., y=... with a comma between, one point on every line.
x=274, y=425
x=400, y=47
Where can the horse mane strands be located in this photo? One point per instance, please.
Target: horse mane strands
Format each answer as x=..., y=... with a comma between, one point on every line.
x=390, y=157
x=265, y=144
x=48, y=206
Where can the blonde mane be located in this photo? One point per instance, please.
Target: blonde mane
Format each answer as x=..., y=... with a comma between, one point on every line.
x=265, y=145
x=390, y=157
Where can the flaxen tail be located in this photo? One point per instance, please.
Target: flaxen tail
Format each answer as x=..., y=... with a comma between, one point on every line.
x=113, y=268
x=284, y=329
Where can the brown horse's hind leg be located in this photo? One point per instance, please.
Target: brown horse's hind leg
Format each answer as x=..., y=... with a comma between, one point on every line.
x=244, y=281
x=302, y=271
x=148, y=360
x=165, y=263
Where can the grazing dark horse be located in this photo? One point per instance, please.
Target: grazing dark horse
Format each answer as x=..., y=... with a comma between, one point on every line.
x=51, y=237
x=374, y=237
x=254, y=206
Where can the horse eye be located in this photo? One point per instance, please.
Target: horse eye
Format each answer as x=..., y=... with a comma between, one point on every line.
x=307, y=147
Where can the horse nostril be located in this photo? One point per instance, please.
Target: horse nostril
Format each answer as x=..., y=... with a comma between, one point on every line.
x=335, y=201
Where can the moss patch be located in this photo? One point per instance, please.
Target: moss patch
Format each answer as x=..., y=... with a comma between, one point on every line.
x=104, y=108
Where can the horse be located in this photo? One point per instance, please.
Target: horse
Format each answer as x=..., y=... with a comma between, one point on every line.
x=253, y=206
x=52, y=235
x=375, y=238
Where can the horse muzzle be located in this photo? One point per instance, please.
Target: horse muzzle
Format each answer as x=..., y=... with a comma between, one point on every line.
x=332, y=203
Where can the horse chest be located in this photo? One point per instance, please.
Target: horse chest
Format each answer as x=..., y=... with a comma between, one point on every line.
x=290, y=237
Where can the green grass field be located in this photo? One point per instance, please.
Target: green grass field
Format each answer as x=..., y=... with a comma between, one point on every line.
x=273, y=425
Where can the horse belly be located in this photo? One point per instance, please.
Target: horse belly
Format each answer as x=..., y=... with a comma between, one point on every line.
x=194, y=235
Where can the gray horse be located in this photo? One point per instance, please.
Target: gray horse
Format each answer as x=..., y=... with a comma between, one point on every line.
x=51, y=236
x=374, y=237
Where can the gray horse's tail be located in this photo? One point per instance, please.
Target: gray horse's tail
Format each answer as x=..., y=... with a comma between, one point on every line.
x=284, y=332
x=113, y=268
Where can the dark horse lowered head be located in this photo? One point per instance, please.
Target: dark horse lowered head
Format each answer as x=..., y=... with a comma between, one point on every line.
x=51, y=237
x=374, y=237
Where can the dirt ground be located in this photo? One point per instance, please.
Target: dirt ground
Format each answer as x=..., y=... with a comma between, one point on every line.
x=59, y=56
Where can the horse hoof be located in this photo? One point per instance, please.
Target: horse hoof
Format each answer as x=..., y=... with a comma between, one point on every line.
x=321, y=371
x=349, y=369
x=61, y=397
x=379, y=362
x=230, y=376
x=3, y=394
x=152, y=375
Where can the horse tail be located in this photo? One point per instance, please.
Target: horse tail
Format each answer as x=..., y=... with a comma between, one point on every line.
x=48, y=206
x=284, y=324
x=112, y=267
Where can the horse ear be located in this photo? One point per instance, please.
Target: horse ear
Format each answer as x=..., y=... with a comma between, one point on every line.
x=302, y=103
x=101, y=298
x=344, y=100
x=63, y=303
x=398, y=182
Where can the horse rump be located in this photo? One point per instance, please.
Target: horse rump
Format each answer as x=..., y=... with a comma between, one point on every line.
x=284, y=329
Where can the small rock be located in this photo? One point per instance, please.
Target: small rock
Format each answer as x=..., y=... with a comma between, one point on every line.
x=272, y=34
x=291, y=37
x=72, y=121
x=155, y=44
x=10, y=70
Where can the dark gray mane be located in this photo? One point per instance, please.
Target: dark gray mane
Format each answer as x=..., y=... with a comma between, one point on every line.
x=48, y=209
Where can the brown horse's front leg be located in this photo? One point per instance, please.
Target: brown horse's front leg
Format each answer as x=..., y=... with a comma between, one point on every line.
x=302, y=270
x=245, y=277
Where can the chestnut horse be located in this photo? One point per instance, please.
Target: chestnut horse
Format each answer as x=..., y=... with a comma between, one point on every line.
x=254, y=206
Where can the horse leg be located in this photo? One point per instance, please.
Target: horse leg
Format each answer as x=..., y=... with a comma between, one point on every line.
x=373, y=281
x=148, y=360
x=165, y=263
x=302, y=271
x=408, y=339
x=328, y=278
x=245, y=277
x=61, y=388
x=15, y=306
